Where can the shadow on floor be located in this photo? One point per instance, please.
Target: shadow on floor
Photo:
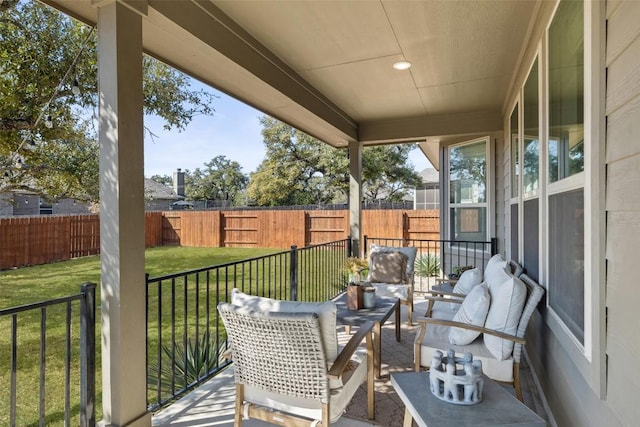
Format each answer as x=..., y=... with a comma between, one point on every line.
x=212, y=404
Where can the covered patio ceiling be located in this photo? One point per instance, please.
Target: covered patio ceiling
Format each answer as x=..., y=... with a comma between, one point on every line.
x=325, y=67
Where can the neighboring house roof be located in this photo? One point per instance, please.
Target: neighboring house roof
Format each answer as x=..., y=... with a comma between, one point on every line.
x=430, y=175
x=155, y=190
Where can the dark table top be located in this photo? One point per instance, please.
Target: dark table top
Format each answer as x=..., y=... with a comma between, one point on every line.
x=380, y=313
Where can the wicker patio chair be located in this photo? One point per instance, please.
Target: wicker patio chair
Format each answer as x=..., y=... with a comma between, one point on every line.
x=401, y=283
x=282, y=374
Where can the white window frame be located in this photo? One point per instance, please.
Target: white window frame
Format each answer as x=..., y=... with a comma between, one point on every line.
x=490, y=184
x=590, y=358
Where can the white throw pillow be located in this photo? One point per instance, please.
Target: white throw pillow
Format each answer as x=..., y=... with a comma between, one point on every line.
x=507, y=302
x=468, y=279
x=473, y=311
x=326, y=312
x=495, y=267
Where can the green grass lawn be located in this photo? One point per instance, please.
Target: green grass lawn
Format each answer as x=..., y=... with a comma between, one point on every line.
x=38, y=283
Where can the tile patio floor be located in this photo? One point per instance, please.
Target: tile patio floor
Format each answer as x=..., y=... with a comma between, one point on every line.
x=212, y=404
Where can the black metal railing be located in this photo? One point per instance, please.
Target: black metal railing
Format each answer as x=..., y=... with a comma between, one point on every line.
x=185, y=337
x=439, y=259
x=52, y=322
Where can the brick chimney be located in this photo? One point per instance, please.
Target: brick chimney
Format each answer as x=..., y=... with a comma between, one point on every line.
x=178, y=182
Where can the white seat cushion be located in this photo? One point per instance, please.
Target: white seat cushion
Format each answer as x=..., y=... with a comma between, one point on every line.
x=507, y=302
x=473, y=311
x=437, y=338
x=468, y=279
x=385, y=290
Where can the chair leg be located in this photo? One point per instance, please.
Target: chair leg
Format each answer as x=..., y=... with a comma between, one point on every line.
x=237, y=420
x=417, y=349
x=371, y=403
x=326, y=417
x=516, y=381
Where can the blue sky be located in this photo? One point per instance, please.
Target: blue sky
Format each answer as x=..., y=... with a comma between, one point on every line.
x=233, y=131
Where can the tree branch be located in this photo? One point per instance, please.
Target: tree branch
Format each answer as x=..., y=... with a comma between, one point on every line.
x=11, y=124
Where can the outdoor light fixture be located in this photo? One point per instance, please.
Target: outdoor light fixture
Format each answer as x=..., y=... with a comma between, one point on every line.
x=48, y=122
x=402, y=65
x=75, y=87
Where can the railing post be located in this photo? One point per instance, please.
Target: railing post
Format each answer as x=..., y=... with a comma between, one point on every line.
x=349, y=246
x=494, y=246
x=88, y=355
x=293, y=273
x=364, y=250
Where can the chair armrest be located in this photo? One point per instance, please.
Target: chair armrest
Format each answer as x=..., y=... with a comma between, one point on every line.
x=451, y=281
x=452, y=300
x=433, y=300
x=445, y=293
x=344, y=357
x=426, y=320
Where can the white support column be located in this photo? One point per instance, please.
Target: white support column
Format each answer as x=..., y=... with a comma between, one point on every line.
x=355, y=195
x=122, y=214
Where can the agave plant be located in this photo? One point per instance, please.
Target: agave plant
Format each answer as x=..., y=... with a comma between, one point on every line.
x=182, y=367
x=427, y=265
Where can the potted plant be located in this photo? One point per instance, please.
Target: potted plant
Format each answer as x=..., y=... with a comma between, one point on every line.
x=457, y=271
x=354, y=266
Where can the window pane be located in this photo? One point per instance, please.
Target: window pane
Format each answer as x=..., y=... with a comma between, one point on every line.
x=531, y=148
x=531, y=238
x=468, y=173
x=514, y=232
x=566, y=89
x=469, y=224
x=515, y=153
x=566, y=259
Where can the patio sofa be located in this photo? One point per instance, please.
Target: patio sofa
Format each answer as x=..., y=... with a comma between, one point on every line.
x=490, y=322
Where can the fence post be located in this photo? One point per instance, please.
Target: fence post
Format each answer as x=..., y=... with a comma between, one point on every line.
x=293, y=273
x=494, y=246
x=349, y=246
x=88, y=355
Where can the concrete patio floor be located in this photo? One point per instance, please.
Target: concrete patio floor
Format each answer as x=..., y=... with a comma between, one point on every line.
x=212, y=404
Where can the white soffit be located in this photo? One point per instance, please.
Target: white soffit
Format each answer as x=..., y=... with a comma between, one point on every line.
x=326, y=66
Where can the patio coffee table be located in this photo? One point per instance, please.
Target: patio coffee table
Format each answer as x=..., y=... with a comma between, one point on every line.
x=378, y=315
x=497, y=408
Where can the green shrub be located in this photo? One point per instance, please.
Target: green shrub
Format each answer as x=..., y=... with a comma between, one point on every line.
x=457, y=271
x=192, y=363
x=427, y=265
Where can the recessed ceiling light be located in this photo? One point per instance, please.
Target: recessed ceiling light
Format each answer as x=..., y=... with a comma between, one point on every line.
x=402, y=65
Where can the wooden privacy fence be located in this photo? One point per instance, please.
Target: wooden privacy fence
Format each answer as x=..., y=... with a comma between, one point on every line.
x=40, y=240
x=45, y=239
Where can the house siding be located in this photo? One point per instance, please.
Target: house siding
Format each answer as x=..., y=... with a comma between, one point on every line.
x=623, y=208
x=570, y=392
